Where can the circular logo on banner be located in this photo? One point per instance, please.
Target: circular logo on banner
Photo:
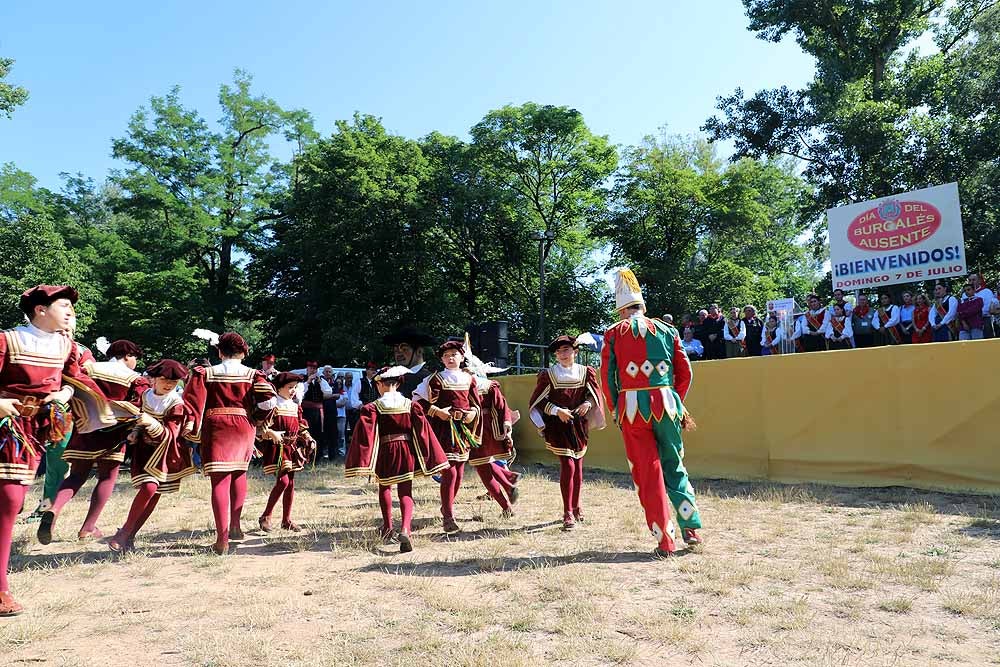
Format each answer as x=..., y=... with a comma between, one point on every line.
x=894, y=224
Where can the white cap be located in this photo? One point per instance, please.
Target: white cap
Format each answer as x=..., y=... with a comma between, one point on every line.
x=627, y=290
x=392, y=372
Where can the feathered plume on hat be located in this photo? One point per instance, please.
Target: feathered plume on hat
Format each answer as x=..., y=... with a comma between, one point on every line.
x=103, y=345
x=627, y=290
x=476, y=365
x=205, y=334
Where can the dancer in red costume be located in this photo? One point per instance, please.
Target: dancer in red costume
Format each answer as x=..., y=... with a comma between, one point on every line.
x=646, y=376
x=160, y=460
x=393, y=443
x=224, y=403
x=35, y=359
x=565, y=406
x=495, y=452
x=451, y=400
x=286, y=446
x=104, y=447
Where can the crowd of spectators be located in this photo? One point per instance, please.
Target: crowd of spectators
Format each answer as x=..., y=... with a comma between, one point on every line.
x=846, y=323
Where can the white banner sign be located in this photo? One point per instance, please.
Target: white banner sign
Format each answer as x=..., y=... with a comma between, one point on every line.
x=900, y=239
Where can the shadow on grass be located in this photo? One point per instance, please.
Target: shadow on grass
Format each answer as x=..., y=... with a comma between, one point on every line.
x=475, y=566
x=891, y=497
x=982, y=527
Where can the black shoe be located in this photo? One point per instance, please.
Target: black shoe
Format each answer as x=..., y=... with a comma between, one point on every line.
x=405, y=546
x=45, y=527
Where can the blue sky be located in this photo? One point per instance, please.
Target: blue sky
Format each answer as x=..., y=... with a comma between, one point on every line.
x=629, y=66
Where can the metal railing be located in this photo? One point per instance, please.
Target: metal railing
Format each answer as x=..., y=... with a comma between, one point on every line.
x=528, y=358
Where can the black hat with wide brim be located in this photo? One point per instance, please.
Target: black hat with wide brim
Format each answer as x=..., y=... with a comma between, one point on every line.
x=411, y=335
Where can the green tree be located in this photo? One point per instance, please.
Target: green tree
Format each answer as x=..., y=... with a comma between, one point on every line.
x=880, y=117
x=351, y=253
x=696, y=232
x=11, y=96
x=553, y=169
x=207, y=192
x=34, y=251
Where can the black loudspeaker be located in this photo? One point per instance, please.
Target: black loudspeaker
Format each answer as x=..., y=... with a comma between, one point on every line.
x=489, y=341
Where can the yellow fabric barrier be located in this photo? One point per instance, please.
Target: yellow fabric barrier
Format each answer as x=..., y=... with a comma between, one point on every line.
x=924, y=416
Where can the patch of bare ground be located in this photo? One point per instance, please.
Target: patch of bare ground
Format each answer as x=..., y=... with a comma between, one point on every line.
x=789, y=575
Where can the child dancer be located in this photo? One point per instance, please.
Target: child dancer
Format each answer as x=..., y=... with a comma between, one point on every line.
x=565, y=405
x=393, y=442
x=451, y=400
x=224, y=402
x=160, y=459
x=286, y=446
x=103, y=448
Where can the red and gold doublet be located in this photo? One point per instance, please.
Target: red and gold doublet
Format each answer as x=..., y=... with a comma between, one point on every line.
x=497, y=419
x=225, y=402
x=159, y=455
x=569, y=388
x=122, y=388
x=394, y=442
x=33, y=364
x=457, y=390
x=297, y=445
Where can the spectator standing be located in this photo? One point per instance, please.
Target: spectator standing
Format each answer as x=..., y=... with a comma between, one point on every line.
x=368, y=393
x=995, y=317
x=862, y=323
x=353, y=407
x=922, y=332
x=943, y=314
x=755, y=328
x=970, y=314
x=887, y=321
x=669, y=319
x=839, y=300
x=713, y=326
x=735, y=334
x=311, y=394
x=988, y=297
x=906, y=318
x=692, y=346
x=838, y=329
x=331, y=430
x=812, y=326
x=771, y=337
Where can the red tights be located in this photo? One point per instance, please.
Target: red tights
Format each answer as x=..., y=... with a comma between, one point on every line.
x=107, y=475
x=404, y=490
x=12, y=496
x=570, y=481
x=451, y=482
x=142, y=507
x=284, y=488
x=229, y=491
x=489, y=476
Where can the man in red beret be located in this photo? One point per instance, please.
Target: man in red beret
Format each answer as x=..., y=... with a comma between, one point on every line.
x=100, y=437
x=34, y=361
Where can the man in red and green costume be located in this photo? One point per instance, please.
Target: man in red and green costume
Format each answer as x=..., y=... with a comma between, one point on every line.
x=646, y=376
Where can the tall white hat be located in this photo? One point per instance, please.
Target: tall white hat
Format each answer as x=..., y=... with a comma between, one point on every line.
x=627, y=290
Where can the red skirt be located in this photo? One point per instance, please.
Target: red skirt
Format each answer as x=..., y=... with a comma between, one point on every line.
x=104, y=445
x=163, y=463
x=22, y=444
x=566, y=439
x=454, y=447
x=290, y=456
x=491, y=450
x=397, y=461
x=226, y=443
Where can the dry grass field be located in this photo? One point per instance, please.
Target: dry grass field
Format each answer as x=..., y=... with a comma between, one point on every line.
x=789, y=575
